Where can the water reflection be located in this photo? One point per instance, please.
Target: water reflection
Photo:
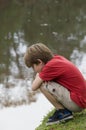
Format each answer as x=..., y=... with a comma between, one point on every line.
x=57, y=23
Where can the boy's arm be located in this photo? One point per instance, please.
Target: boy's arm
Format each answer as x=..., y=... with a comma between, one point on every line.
x=37, y=83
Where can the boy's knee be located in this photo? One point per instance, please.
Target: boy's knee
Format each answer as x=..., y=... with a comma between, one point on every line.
x=43, y=87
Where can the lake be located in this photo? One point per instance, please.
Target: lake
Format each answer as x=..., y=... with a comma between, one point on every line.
x=58, y=24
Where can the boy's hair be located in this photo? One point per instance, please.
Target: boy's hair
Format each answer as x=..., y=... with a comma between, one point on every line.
x=35, y=52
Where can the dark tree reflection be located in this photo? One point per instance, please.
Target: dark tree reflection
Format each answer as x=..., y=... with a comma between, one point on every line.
x=59, y=24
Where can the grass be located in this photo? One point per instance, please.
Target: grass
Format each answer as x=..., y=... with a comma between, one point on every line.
x=77, y=123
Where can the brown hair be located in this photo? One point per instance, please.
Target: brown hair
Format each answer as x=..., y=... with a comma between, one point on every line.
x=35, y=52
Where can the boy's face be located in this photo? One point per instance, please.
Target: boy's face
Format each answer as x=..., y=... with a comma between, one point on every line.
x=38, y=67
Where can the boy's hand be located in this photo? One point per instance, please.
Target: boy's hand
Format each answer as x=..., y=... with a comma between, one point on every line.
x=37, y=82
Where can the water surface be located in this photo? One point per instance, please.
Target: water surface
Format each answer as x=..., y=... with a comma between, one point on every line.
x=58, y=24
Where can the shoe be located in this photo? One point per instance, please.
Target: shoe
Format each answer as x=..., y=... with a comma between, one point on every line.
x=60, y=116
x=54, y=114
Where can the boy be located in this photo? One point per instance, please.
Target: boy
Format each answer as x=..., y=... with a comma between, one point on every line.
x=59, y=80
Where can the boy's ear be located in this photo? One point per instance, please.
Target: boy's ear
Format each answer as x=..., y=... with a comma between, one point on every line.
x=39, y=61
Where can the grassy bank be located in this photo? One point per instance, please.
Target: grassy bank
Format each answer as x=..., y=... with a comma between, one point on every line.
x=78, y=123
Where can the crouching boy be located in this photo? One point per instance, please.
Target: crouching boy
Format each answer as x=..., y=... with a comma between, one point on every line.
x=59, y=80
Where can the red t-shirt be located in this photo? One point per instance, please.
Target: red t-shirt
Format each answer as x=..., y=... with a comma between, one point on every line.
x=64, y=72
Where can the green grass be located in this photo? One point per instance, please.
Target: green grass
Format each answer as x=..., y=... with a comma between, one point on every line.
x=78, y=123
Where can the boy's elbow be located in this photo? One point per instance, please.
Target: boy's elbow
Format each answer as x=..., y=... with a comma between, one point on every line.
x=33, y=89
